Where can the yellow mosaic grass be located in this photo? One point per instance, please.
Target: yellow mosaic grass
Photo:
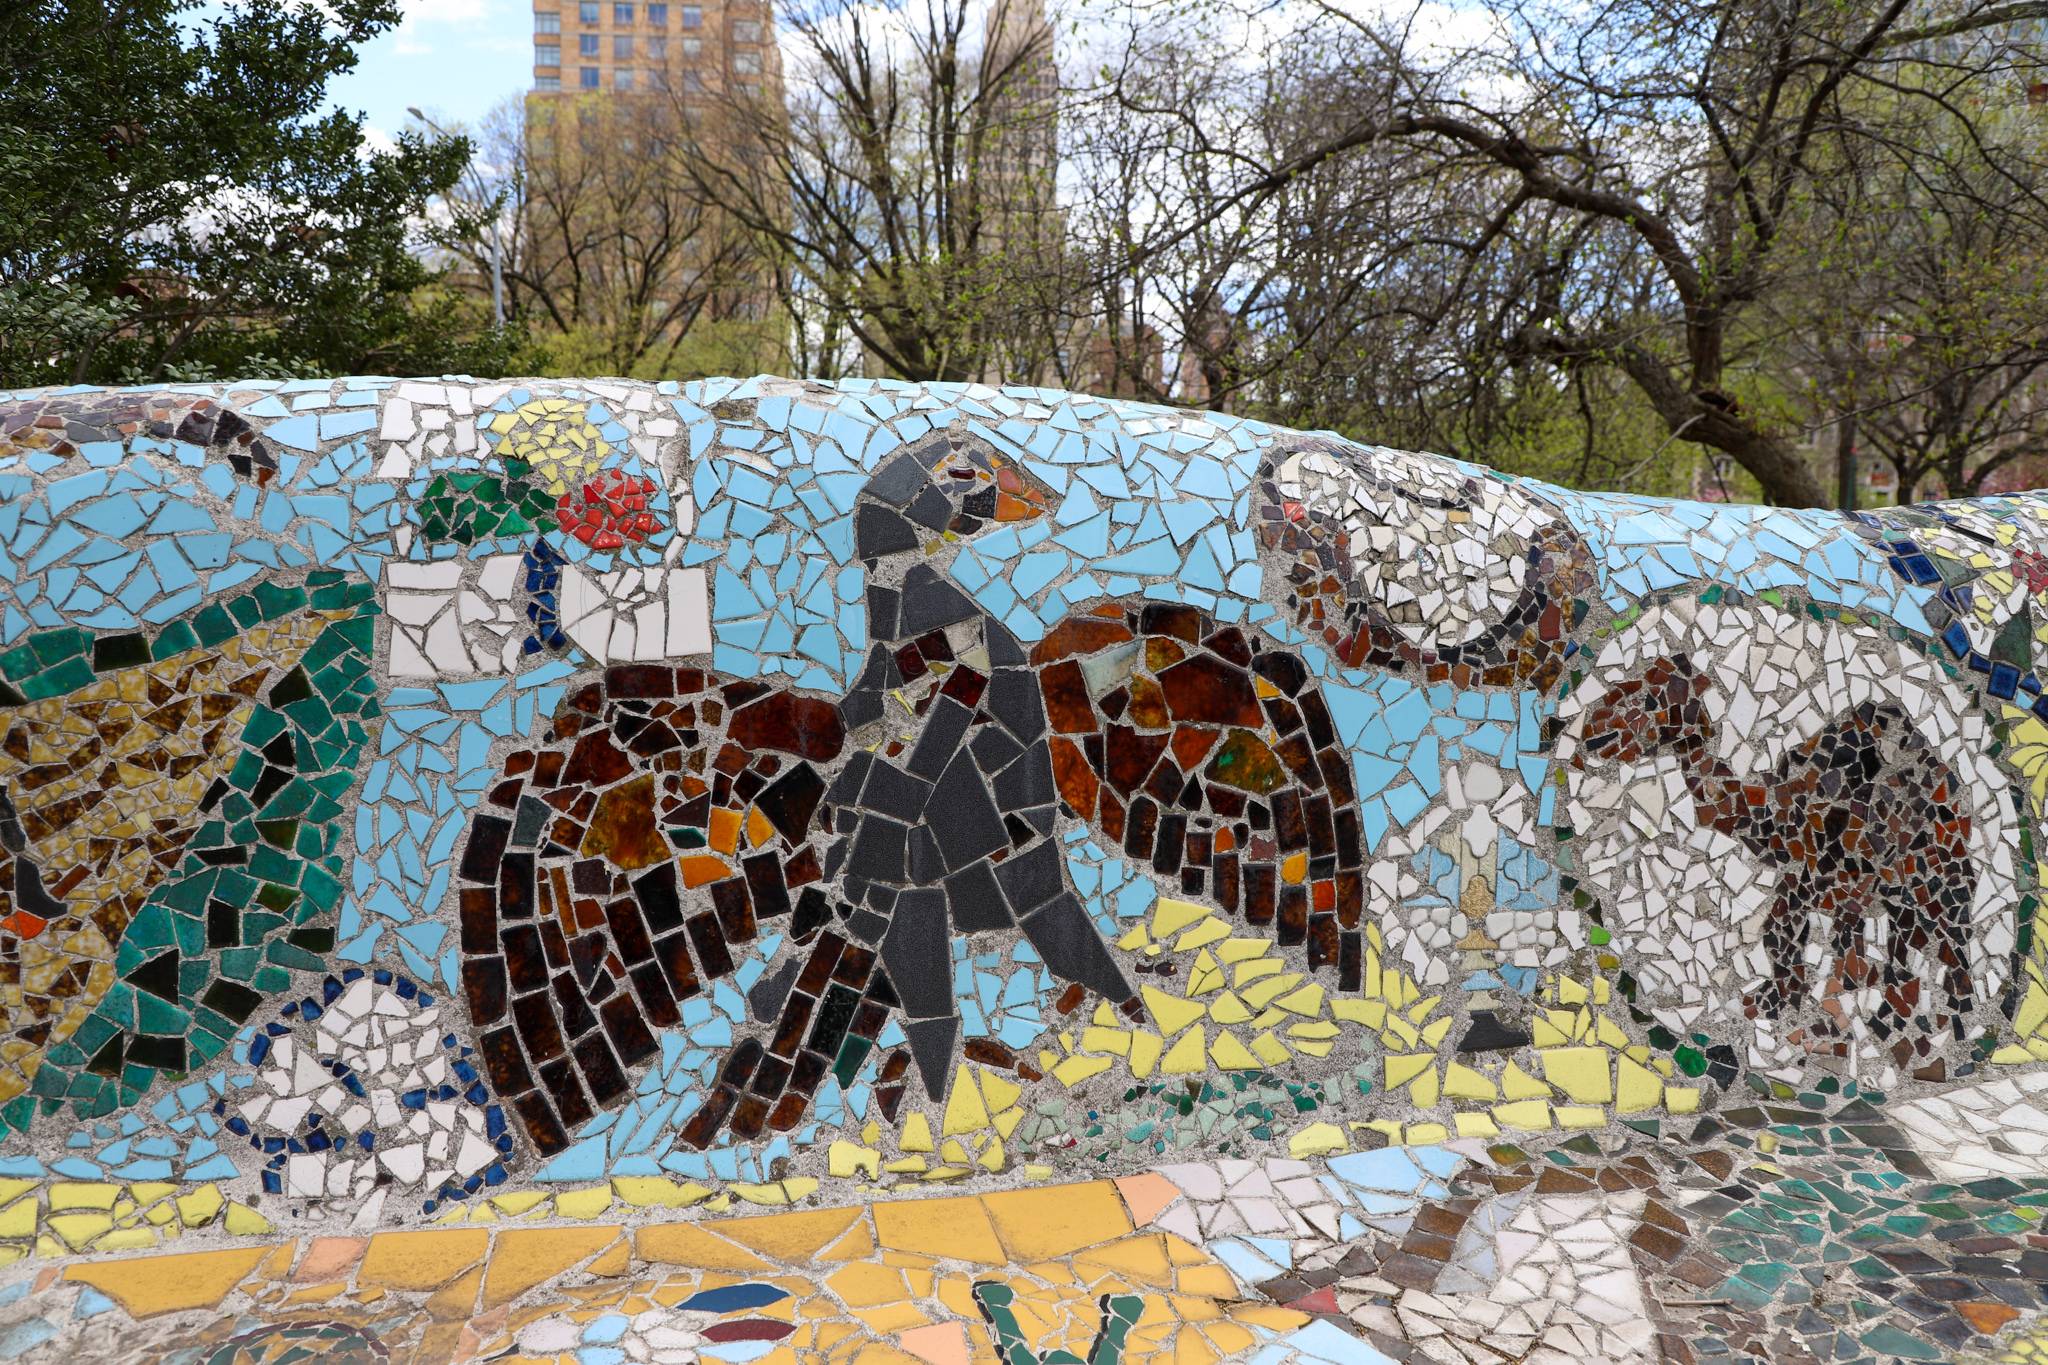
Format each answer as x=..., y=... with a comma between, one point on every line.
x=556, y=437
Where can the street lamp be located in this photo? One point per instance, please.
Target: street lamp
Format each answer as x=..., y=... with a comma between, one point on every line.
x=497, y=267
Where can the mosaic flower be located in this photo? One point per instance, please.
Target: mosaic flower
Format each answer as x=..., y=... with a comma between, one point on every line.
x=609, y=511
x=554, y=437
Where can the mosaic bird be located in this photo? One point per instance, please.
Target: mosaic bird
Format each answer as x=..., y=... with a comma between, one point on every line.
x=1410, y=564
x=1864, y=819
x=670, y=814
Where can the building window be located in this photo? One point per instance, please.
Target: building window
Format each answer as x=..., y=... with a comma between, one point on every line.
x=746, y=30
x=693, y=84
x=750, y=89
x=622, y=79
x=657, y=49
x=547, y=82
x=586, y=13
x=657, y=78
x=547, y=54
x=586, y=44
x=587, y=77
x=622, y=13
x=657, y=15
x=693, y=16
x=693, y=47
x=622, y=47
x=547, y=21
x=747, y=63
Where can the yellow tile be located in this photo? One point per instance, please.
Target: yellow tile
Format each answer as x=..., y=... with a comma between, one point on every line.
x=1405, y=1067
x=1518, y=1084
x=777, y=1192
x=421, y=1260
x=956, y=1227
x=1236, y=950
x=1308, y=1000
x=526, y=1257
x=1318, y=1139
x=847, y=1159
x=1580, y=1116
x=1189, y=1056
x=150, y=1285
x=1228, y=1008
x=1581, y=1072
x=519, y=1201
x=1461, y=1082
x=587, y=1202
x=1532, y=1115
x=917, y=1133
x=1211, y=930
x=19, y=1219
x=1075, y=1070
x=242, y=1220
x=1146, y=1047
x=1231, y=1055
x=1098, y=1039
x=654, y=1192
x=965, y=1112
x=1637, y=1088
x=1170, y=1013
x=126, y=1239
x=77, y=1229
x=1270, y=1050
x=68, y=1194
x=1171, y=916
x=1475, y=1126
x=1371, y=1013
x=1040, y=1224
x=1681, y=1099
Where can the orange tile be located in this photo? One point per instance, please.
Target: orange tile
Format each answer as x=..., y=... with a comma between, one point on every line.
x=328, y=1257
x=149, y=1285
x=1058, y=1219
x=792, y=1238
x=1146, y=1195
x=421, y=1260
x=688, y=1244
x=525, y=1257
x=957, y=1227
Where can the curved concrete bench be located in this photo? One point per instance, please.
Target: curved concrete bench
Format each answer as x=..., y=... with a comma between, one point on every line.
x=551, y=780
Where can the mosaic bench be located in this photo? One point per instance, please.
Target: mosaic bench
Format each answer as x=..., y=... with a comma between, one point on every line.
x=931, y=872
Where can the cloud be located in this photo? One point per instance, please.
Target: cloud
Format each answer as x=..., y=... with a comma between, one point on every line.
x=415, y=35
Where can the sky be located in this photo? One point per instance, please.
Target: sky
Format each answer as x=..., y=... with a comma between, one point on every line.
x=456, y=59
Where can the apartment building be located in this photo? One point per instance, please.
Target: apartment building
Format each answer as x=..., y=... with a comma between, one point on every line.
x=705, y=47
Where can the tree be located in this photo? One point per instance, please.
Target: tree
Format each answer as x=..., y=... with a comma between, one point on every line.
x=1920, y=328
x=612, y=262
x=178, y=205
x=904, y=195
x=1616, y=186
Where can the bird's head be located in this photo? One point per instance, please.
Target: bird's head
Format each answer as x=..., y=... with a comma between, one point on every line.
x=949, y=485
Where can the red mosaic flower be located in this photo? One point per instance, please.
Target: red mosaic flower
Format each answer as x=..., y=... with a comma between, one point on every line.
x=2032, y=569
x=609, y=511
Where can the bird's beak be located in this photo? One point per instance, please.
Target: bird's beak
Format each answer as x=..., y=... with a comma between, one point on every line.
x=1018, y=498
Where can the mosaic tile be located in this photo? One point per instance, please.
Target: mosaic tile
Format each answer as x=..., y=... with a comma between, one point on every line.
x=765, y=870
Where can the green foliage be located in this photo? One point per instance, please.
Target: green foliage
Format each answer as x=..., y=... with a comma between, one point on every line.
x=177, y=203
